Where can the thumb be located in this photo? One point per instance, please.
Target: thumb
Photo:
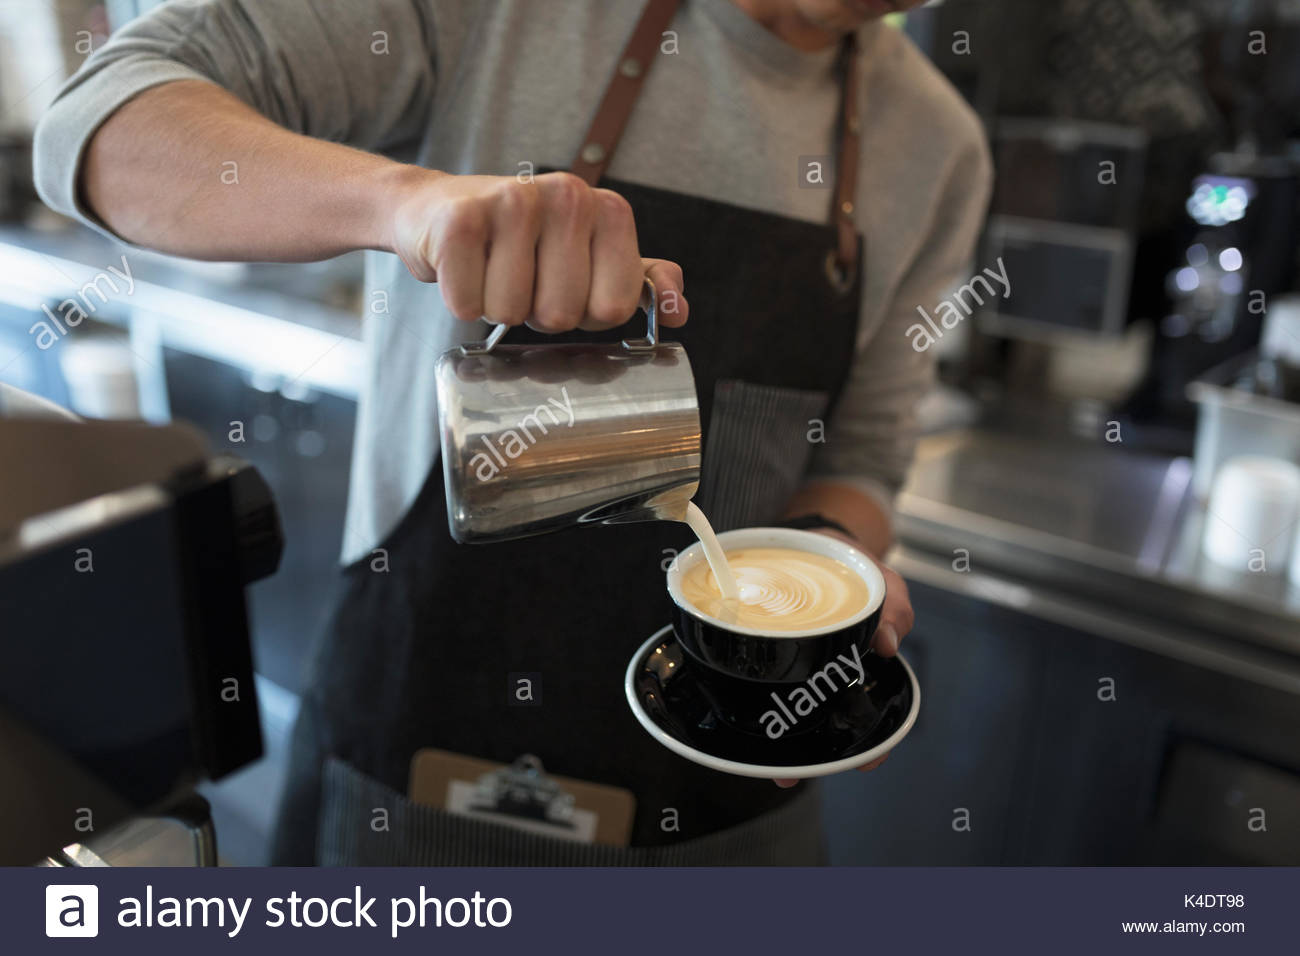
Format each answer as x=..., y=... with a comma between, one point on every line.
x=670, y=288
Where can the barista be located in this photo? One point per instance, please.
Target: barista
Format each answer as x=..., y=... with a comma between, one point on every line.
x=799, y=162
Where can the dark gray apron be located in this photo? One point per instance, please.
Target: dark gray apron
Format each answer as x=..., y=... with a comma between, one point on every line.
x=419, y=656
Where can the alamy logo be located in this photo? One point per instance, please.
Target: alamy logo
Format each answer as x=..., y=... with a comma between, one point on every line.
x=71, y=910
x=513, y=444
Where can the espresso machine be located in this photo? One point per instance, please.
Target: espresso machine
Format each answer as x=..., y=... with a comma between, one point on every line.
x=127, y=675
x=1238, y=257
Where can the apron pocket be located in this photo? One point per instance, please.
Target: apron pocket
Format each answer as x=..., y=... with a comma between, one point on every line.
x=759, y=444
x=364, y=822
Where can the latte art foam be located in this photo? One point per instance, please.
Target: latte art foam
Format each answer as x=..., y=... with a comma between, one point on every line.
x=781, y=589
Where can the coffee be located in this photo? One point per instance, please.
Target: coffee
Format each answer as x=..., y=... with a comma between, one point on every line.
x=779, y=589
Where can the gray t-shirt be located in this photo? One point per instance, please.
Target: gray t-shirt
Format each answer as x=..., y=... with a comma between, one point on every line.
x=496, y=85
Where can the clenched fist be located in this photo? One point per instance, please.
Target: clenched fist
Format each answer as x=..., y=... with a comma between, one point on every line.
x=554, y=253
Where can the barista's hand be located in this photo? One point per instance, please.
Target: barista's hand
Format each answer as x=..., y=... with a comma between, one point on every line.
x=896, y=619
x=554, y=252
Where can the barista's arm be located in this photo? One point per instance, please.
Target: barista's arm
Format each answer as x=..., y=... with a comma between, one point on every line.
x=216, y=130
x=212, y=129
x=554, y=252
x=859, y=512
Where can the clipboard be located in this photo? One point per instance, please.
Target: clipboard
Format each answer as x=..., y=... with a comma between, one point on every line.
x=524, y=796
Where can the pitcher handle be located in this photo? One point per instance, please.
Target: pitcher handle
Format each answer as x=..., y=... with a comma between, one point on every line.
x=649, y=304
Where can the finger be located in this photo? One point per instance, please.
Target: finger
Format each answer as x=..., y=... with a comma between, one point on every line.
x=460, y=266
x=886, y=640
x=785, y=783
x=874, y=764
x=670, y=290
x=511, y=260
x=616, y=270
x=899, y=603
x=563, y=275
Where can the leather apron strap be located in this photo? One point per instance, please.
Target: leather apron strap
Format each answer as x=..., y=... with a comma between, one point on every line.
x=624, y=88
x=846, y=167
x=622, y=91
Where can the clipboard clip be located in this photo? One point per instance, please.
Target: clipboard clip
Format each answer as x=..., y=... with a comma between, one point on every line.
x=524, y=790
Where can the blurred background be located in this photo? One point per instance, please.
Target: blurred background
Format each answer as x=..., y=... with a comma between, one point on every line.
x=1100, y=531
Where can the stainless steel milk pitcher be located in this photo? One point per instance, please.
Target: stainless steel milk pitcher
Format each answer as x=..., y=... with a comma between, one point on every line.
x=541, y=437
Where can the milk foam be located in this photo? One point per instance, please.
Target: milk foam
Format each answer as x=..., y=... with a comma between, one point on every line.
x=780, y=589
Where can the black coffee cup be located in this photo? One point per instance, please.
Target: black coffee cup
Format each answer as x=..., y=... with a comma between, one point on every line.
x=751, y=673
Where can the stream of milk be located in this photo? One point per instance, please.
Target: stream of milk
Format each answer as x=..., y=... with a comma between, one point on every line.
x=713, y=553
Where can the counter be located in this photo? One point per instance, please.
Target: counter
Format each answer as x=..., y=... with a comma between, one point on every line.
x=298, y=322
x=1111, y=530
x=1093, y=692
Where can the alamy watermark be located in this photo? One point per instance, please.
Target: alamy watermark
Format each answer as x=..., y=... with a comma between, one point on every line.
x=807, y=697
x=74, y=310
x=953, y=309
x=513, y=442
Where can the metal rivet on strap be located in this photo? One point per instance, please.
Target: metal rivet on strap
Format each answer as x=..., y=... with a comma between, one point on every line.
x=593, y=153
x=846, y=207
x=630, y=67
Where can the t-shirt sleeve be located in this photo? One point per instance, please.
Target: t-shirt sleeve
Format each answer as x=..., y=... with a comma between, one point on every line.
x=356, y=73
x=872, y=436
